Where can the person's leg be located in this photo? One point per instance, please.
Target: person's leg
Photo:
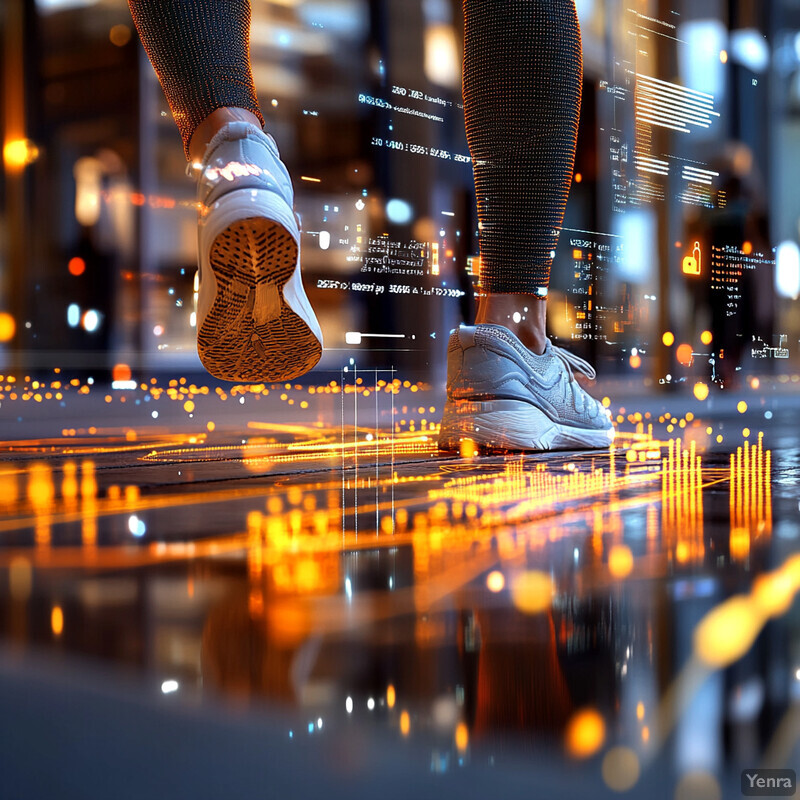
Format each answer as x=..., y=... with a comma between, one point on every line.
x=508, y=386
x=200, y=51
x=212, y=124
x=523, y=71
x=254, y=322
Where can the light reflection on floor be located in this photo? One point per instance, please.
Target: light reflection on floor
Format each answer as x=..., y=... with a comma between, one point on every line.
x=309, y=545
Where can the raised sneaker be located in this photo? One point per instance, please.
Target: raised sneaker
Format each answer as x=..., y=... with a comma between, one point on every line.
x=254, y=321
x=502, y=397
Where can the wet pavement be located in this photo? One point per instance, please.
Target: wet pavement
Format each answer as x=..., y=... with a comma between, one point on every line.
x=287, y=590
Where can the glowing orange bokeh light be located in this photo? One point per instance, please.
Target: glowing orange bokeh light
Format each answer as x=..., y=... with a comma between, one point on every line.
x=57, y=621
x=620, y=561
x=462, y=736
x=18, y=153
x=701, y=391
x=684, y=355
x=585, y=734
x=121, y=372
x=495, y=581
x=532, y=591
x=7, y=327
x=76, y=266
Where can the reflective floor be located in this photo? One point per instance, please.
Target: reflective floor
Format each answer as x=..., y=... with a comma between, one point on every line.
x=210, y=580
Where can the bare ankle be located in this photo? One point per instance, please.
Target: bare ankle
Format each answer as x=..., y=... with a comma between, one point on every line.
x=218, y=118
x=525, y=315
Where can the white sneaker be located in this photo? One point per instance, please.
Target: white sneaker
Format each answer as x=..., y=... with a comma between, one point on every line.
x=503, y=397
x=254, y=321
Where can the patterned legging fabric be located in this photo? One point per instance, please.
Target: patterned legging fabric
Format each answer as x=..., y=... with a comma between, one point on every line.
x=522, y=91
x=200, y=50
x=523, y=71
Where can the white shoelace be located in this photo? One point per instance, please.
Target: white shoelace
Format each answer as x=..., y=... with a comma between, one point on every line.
x=573, y=362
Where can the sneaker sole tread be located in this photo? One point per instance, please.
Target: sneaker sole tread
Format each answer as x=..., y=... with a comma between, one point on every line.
x=251, y=334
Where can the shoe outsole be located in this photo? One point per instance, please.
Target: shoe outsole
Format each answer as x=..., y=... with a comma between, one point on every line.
x=251, y=334
x=504, y=426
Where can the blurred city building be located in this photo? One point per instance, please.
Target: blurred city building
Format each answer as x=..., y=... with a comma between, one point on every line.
x=679, y=257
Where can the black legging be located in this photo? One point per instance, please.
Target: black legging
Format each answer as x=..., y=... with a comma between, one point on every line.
x=522, y=93
x=200, y=50
x=522, y=99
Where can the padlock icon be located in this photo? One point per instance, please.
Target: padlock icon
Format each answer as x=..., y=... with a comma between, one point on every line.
x=693, y=264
